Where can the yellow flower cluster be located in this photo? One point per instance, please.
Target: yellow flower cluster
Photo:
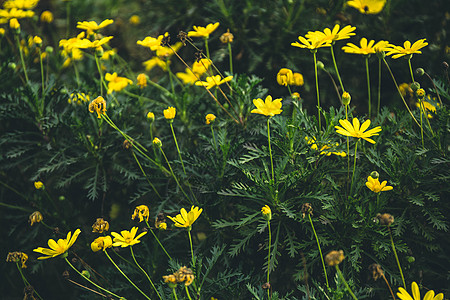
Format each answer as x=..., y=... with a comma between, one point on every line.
x=325, y=149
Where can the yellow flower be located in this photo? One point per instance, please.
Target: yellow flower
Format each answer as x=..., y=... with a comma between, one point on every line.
x=200, y=31
x=91, y=26
x=101, y=243
x=186, y=219
x=98, y=105
x=374, y=185
x=213, y=81
x=325, y=149
x=165, y=52
x=201, y=66
x=142, y=80
x=157, y=142
x=356, y=131
x=37, y=40
x=297, y=79
x=59, y=247
x=21, y=4
x=334, y=257
x=151, y=116
x=365, y=49
x=187, y=77
x=170, y=113
x=310, y=43
x=162, y=226
x=284, y=76
x=153, y=62
x=428, y=106
x=116, y=83
x=134, y=20
x=107, y=54
x=331, y=35
x=100, y=226
x=404, y=295
x=14, y=24
x=407, y=48
x=38, y=185
x=78, y=98
x=210, y=118
x=35, y=217
x=268, y=107
x=367, y=6
x=151, y=42
x=142, y=212
x=17, y=257
x=46, y=17
x=15, y=13
x=381, y=46
x=2, y=32
x=405, y=89
x=127, y=238
x=85, y=43
x=266, y=212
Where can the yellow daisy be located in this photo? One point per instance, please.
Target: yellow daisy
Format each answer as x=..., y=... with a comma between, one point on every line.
x=404, y=295
x=59, y=247
x=356, y=131
x=200, y=31
x=213, y=81
x=268, y=107
x=365, y=49
x=186, y=219
x=375, y=186
x=330, y=35
x=407, y=48
x=127, y=238
x=367, y=6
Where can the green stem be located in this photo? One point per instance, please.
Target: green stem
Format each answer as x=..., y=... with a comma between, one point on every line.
x=178, y=149
x=336, y=68
x=379, y=86
x=320, y=250
x=421, y=124
x=42, y=78
x=348, y=147
x=22, y=60
x=214, y=139
x=368, y=86
x=410, y=68
x=231, y=59
x=317, y=89
x=173, y=175
x=162, y=247
x=270, y=151
x=345, y=282
x=187, y=292
x=143, y=271
x=207, y=48
x=93, y=283
x=174, y=293
x=145, y=175
x=354, y=164
x=396, y=257
x=77, y=75
x=190, y=243
x=126, y=277
x=25, y=281
x=268, y=259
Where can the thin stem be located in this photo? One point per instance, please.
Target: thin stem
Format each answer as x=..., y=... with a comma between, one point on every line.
x=173, y=175
x=187, y=292
x=214, y=138
x=354, y=164
x=368, y=86
x=410, y=68
x=421, y=124
x=96, y=285
x=379, y=86
x=387, y=283
x=317, y=89
x=174, y=293
x=77, y=75
x=207, y=48
x=435, y=88
x=178, y=149
x=320, y=250
x=336, y=68
x=348, y=147
x=162, y=247
x=396, y=257
x=42, y=76
x=270, y=150
x=345, y=282
x=25, y=281
x=143, y=271
x=100, y=73
x=126, y=277
x=22, y=60
x=231, y=59
x=268, y=258
x=190, y=243
x=86, y=288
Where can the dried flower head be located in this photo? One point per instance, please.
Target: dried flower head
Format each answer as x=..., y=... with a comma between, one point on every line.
x=101, y=243
x=98, y=105
x=306, y=209
x=100, y=226
x=376, y=270
x=142, y=212
x=227, y=37
x=385, y=219
x=35, y=217
x=333, y=258
x=17, y=257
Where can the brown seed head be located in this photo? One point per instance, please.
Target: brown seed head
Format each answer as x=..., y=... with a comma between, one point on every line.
x=385, y=219
x=376, y=270
x=306, y=209
x=333, y=258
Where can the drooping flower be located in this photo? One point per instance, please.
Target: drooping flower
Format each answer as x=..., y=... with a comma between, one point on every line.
x=91, y=26
x=116, y=83
x=213, y=81
x=16, y=257
x=142, y=80
x=100, y=226
x=204, y=32
x=101, y=243
x=334, y=257
x=59, y=247
x=404, y=295
x=407, y=48
x=170, y=113
x=356, y=131
x=46, y=17
x=142, y=212
x=284, y=76
x=210, y=118
x=35, y=217
x=375, y=186
x=268, y=107
x=98, y=105
x=188, y=77
x=186, y=219
x=201, y=66
x=227, y=37
x=127, y=238
x=365, y=48
x=367, y=6
x=331, y=35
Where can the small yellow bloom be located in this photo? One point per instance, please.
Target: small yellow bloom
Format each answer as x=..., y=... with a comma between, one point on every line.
x=346, y=98
x=210, y=118
x=166, y=52
x=38, y=185
x=334, y=257
x=381, y=46
x=367, y=6
x=151, y=42
x=142, y=212
x=162, y=226
x=78, y=98
x=188, y=77
x=356, y=131
x=266, y=212
x=204, y=32
x=46, y=17
x=297, y=79
x=16, y=257
x=108, y=54
x=284, y=76
x=374, y=185
x=325, y=149
x=420, y=93
x=100, y=226
x=116, y=83
x=59, y=247
x=142, y=80
x=201, y=66
x=14, y=24
x=134, y=20
x=157, y=142
x=98, y=105
x=407, y=48
x=186, y=219
x=127, y=238
x=155, y=61
x=151, y=116
x=268, y=107
x=37, y=40
x=366, y=48
x=404, y=295
x=2, y=32
x=311, y=43
x=170, y=113
x=227, y=37
x=91, y=26
x=331, y=35
x=35, y=217
x=213, y=81
x=101, y=243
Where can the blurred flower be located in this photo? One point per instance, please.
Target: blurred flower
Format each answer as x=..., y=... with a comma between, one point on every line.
x=17, y=257
x=227, y=37
x=2, y=32
x=324, y=150
x=157, y=142
x=14, y=24
x=108, y=54
x=268, y=107
x=100, y=226
x=367, y=6
x=37, y=41
x=170, y=279
x=98, y=105
x=365, y=49
x=381, y=46
x=20, y=4
x=333, y=258
x=356, y=131
x=162, y=226
x=429, y=105
x=38, y=185
x=374, y=185
x=60, y=247
x=186, y=219
x=210, y=118
x=15, y=13
x=127, y=238
x=35, y=217
x=377, y=271
x=134, y=20
x=405, y=89
x=266, y=212
x=78, y=98
x=201, y=66
x=151, y=116
x=96, y=44
x=170, y=113
x=151, y=42
x=91, y=26
x=213, y=81
x=204, y=32
x=153, y=62
x=407, y=48
x=188, y=77
x=101, y=243
x=46, y=16
x=142, y=80
x=116, y=83
x=142, y=212
x=166, y=52
x=404, y=295
x=331, y=35
x=385, y=219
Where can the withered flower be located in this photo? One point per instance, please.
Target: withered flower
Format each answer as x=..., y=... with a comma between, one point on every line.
x=385, y=219
x=306, y=209
x=333, y=258
x=100, y=226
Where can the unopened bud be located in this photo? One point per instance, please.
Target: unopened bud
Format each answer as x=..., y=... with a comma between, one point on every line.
x=374, y=175
x=346, y=98
x=157, y=142
x=86, y=274
x=320, y=65
x=415, y=86
x=420, y=71
x=49, y=49
x=12, y=65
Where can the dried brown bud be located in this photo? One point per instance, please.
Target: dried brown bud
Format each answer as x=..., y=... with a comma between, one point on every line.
x=445, y=65
x=66, y=274
x=385, y=219
x=199, y=55
x=183, y=37
x=165, y=40
x=333, y=258
x=100, y=226
x=306, y=209
x=376, y=270
x=266, y=286
x=127, y=144
x=227, y=37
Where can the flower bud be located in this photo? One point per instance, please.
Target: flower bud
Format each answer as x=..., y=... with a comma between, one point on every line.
x=210, y=118
x=86, y=274
x=266, y=212
x=39, y=185
x=385, y=219
x=12, y=65
x=49, y=49
x=320, y=65
x=374, y=175
x=151, y=116
x=420, y=71
x=415, y=86
x=157, y=142
x=15, y=25
x=35, y=217
x=346, y=98
x=420, y=93
x=38, y=41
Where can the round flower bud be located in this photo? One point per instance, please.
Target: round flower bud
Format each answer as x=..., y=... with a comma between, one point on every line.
x=266, y=212
x=49, y=49
x=157, y=142
x=320, y=65
x=37, y=40
x=12, y=65
x=346, y=98
x=46, y=17
x=415, y=86
x=15, y=25
x=385, y=219
x=420, y=71
x=151, y=116
x=374, y=175
x=410, y=259
x=86, y=274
